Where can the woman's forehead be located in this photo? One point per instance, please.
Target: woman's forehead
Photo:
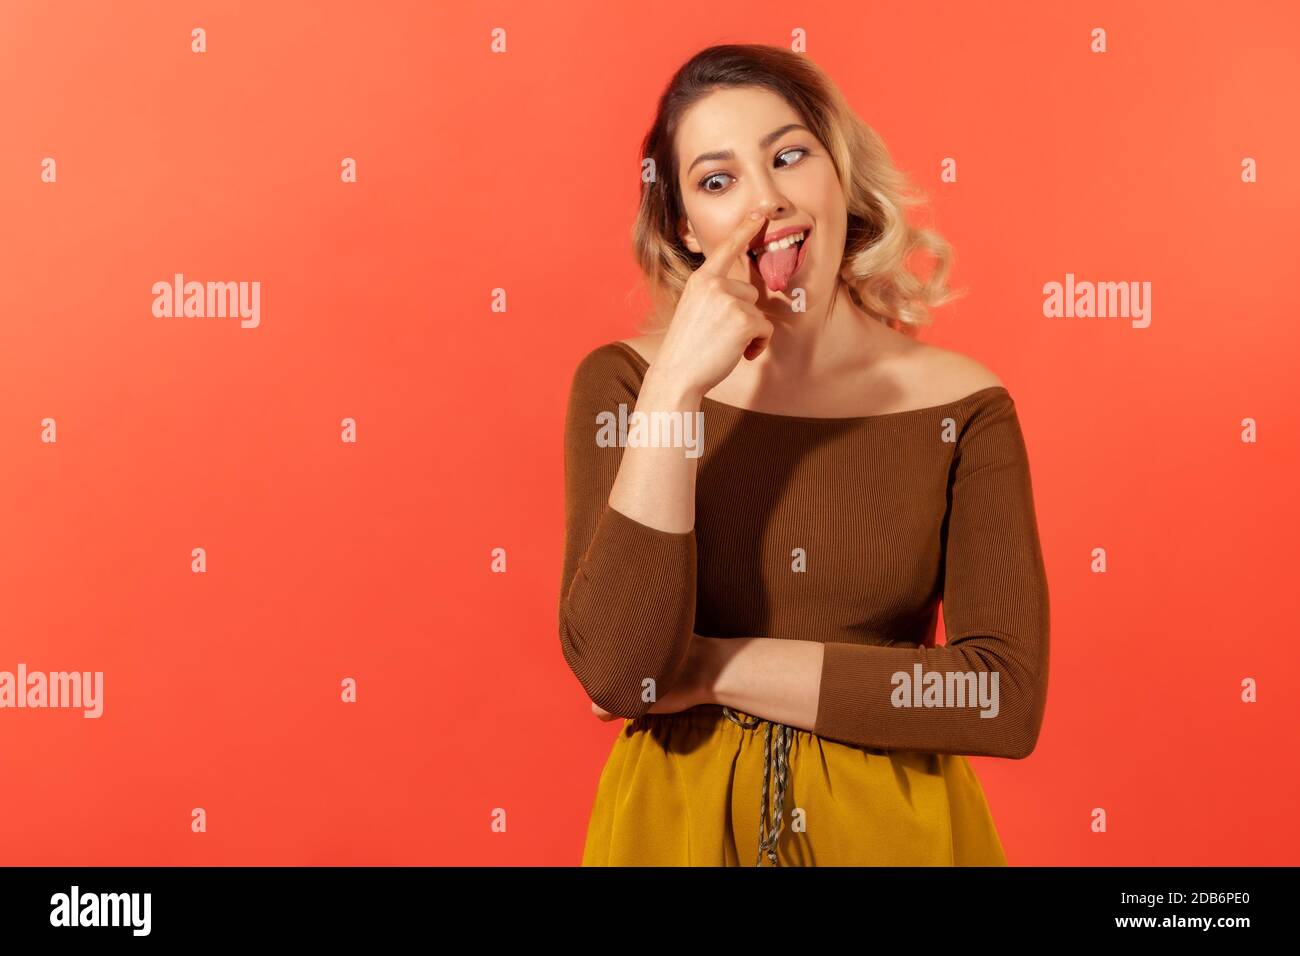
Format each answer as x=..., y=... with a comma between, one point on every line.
x=731, y=120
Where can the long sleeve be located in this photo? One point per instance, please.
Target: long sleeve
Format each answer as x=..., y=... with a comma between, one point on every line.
x=996, y=616
x=627, y=598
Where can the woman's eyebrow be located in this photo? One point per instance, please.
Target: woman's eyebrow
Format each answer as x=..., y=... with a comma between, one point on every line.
x=763, y=143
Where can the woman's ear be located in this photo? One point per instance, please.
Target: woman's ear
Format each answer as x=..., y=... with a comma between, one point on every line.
x=687, y=233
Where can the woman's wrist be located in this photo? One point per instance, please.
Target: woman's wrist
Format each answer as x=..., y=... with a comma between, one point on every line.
x=710, y=655
x=663, y=391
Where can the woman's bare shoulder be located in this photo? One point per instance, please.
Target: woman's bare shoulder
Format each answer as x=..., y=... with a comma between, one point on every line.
x=942, y=375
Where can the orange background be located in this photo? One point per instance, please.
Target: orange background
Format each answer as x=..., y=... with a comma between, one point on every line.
x=519, y=171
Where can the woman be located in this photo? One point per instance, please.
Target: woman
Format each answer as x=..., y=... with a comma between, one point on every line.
x=760, y=606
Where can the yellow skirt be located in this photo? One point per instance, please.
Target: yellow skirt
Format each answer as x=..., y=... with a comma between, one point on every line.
x=687, y=789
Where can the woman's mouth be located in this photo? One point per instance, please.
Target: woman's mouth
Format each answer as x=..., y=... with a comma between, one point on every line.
x=780, y=259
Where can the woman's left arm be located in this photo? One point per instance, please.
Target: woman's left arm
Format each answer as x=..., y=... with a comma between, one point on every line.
x=777, y=679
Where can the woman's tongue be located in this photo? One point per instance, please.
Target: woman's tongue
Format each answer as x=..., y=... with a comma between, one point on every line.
x=777, y=267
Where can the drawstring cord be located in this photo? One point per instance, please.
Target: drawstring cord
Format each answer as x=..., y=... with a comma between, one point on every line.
x=780, y=758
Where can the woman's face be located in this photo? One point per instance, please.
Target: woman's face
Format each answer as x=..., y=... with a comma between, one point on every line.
x=743, y=149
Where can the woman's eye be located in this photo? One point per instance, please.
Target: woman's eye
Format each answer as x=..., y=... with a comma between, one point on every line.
x=704, y=183
x=797, y=149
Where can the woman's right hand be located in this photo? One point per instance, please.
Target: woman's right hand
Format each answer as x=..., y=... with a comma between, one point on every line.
x=716, y=320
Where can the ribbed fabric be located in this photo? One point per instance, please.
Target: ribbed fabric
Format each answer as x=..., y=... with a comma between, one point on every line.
x=893, y=512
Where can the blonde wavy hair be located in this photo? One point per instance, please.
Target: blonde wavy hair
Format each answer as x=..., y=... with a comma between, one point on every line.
x=879, y=239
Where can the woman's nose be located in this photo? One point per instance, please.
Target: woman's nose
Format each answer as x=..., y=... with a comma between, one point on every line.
x=771, y=203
